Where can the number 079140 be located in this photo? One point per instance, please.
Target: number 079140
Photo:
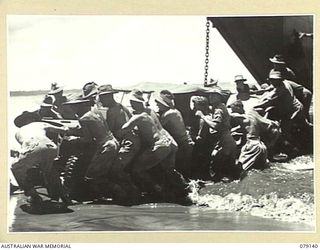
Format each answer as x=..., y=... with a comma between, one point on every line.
x=308, y=246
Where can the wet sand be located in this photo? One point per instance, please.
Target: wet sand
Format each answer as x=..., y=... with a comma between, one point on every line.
x=147, y=217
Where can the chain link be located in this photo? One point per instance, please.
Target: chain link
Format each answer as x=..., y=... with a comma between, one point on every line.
x=206, y=67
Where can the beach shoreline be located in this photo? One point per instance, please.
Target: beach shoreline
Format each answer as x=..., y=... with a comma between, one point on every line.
x=147, y=217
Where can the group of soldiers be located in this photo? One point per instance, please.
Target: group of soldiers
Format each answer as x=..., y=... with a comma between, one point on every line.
x=126, y=145
x=276, y=117
x=225, y=139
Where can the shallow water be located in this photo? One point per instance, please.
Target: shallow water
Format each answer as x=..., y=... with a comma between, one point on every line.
x=283, y=192
x=147, y=217
x=277, y=194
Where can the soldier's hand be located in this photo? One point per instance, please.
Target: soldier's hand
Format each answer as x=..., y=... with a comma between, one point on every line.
x=276, y=123
x=72, y=138
x=199, y=113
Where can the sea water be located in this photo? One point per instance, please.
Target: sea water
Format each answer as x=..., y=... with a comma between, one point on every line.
x=285, y=191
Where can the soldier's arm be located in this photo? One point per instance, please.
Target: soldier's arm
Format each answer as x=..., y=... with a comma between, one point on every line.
x=291, y=74
x=82, y=134
x=164, y=119
x=263, y=122
x=270, y=99
x=111, y=120
x=201, y=126
x=214, y=121
x=306, y=93
x=86, y=135
x=261, y=91
x=129, y=125
x=55, y=129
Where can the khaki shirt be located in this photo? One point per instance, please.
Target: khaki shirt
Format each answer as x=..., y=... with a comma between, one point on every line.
x=116, y=117
x=287, y=73
x=172, y=121
x=221, y=118
x=94, y=127
x=282, y=97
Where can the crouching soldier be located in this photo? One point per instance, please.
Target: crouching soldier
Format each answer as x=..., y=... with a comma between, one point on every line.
x=159, y=150
x=254, y=153
x=172, y=120
x=202, y=149
x=37, y=151
x=94, y=129
x=223, y=155
x=130, y=143
x=285, y=107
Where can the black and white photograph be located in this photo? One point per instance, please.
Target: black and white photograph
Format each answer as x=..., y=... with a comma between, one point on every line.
x=160, y=123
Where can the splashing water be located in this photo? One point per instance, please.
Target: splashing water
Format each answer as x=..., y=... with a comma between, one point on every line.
x=284, y=192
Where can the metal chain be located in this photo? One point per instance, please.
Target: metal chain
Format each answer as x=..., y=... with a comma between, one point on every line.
x=206, y=67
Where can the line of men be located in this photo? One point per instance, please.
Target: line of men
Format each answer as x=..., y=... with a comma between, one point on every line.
x=254, y=126
x=128, y=146
x=136, y=140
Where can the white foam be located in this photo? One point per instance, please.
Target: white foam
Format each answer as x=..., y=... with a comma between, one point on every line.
x=268, y=206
